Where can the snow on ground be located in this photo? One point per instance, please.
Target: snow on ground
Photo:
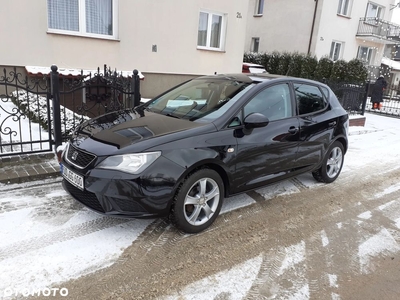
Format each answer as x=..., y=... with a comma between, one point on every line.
x=45, y=238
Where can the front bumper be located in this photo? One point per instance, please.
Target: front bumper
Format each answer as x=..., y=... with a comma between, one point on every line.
x=111, y=192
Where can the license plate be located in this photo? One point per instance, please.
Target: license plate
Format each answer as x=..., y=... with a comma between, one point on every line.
x=73, y=178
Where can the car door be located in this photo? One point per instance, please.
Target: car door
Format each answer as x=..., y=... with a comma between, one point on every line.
x=266, y=154
x=317, y=123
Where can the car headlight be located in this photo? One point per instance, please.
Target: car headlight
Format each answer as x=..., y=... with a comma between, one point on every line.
x=130, y=163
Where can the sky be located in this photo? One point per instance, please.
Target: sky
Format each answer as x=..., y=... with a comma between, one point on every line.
x=396, y=14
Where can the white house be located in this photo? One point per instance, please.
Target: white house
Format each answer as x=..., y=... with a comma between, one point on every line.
x=339, y=29
x=168, y=41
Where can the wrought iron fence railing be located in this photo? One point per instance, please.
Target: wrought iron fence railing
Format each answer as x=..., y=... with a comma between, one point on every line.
x=37, y=113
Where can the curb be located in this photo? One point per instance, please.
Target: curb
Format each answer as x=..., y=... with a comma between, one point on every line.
x=28, y=167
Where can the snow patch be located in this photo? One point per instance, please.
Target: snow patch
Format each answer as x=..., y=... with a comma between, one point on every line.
x=379, y=243
x=324, y=238
x=232, y=284
x=294, y=255
x=365, y=215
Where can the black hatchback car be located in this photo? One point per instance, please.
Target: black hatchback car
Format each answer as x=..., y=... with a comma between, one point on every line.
x=183, y=152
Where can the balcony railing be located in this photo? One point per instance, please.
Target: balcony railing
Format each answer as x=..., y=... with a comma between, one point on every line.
x=379, y=30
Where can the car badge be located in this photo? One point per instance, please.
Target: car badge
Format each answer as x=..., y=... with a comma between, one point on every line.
x=74, y=155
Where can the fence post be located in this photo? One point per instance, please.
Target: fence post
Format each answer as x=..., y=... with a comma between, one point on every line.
x=55, y=93
x=364, y=103
x=136, y=88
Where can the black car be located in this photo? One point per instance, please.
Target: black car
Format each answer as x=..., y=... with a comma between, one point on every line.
x=181, y=153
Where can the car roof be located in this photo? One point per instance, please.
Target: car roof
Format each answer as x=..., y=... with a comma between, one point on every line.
x=256, y=77
x=244, y=77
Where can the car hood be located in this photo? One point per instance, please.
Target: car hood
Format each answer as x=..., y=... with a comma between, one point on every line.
x=129, y=131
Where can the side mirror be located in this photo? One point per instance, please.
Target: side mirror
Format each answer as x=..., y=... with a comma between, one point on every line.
x=255, y=120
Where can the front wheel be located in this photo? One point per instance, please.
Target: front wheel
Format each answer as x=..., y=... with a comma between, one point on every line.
x=198, y=201
x=331, y=165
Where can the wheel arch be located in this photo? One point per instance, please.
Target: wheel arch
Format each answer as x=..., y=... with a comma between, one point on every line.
x=344, y=142
x=207, y=165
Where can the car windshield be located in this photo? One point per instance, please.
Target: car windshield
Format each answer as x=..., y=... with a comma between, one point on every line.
x=201, y=100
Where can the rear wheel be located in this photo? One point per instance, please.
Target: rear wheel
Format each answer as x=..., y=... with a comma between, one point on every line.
x=198, y=201
x=331, y=165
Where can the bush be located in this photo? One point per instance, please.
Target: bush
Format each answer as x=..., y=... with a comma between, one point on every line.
x=323, y=69
x=339, y=71
x=306, y=66
x=357, y=73
x=295, y=64
x=274, y=60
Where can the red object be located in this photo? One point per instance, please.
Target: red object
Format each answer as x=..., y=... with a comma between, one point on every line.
x=376, y=105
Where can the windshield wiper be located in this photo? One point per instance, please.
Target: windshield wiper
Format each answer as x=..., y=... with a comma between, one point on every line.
x=173, y=116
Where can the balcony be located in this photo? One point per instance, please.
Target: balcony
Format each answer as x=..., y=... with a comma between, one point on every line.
x=378, y=31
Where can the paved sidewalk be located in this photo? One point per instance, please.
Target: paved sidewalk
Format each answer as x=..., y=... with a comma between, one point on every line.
x=28, y=167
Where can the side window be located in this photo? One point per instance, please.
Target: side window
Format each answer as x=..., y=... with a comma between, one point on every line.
x=273, y=102
x=309, y=98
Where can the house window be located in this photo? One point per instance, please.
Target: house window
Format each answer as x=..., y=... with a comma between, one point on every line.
x=373, y=11
x=95, y=18
x=344, y=7
x=259, y=7
x=255, y=43
x=365, y=54
x=211, y=31
x=336, y=48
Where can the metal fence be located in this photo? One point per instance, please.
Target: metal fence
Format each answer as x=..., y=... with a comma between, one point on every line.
x=20, y=97
x=390, y=104
x=57, y=104
x=352, y=97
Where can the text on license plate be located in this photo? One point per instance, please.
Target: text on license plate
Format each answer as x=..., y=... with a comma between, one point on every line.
x=73, y=178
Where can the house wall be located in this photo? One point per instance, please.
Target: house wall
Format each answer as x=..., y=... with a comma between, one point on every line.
x=171, y=25
x=284, y=25
x=333, y=27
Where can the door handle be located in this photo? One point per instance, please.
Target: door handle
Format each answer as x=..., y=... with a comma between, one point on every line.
x=293, y=130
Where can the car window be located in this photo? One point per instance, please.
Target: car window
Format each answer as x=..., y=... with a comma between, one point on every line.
x=273, y=102
x=309, y=98
x=201, y=100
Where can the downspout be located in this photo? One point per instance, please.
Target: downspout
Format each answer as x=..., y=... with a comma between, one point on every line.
x=312, y=27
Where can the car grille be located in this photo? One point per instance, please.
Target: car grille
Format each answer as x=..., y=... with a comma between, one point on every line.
x=78, y=158
x=128, y=205
x=86, y=198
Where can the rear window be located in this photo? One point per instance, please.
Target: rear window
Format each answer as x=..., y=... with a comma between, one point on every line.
x=309, y=98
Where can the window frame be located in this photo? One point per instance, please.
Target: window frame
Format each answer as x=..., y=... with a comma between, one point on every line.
x=255, y=41
x=334, y=44
x=259, y=9
x=323, y=96
x=370, y=54
x=82, y=23
x=344, y=8
x=209, y=25
x=288, y=100
x=380, y=10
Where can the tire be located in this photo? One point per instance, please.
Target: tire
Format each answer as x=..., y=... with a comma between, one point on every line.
x=198, y=201
x=331, y=164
